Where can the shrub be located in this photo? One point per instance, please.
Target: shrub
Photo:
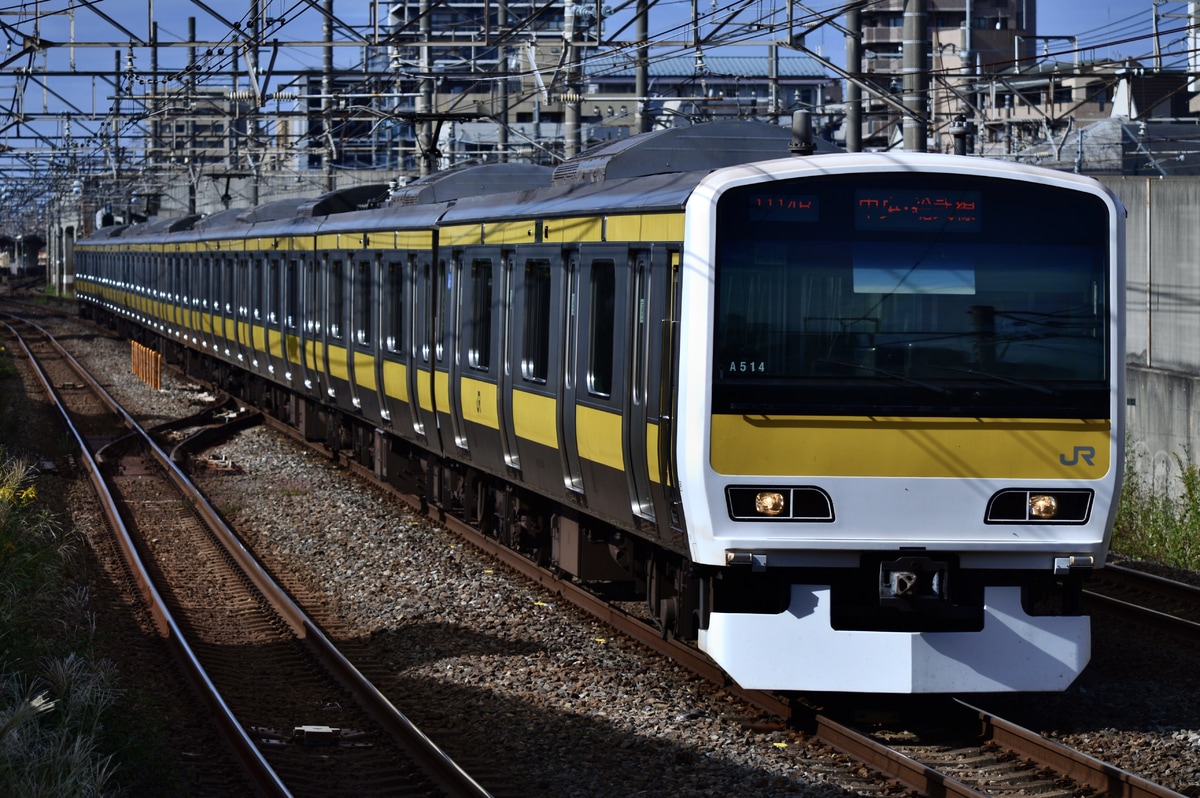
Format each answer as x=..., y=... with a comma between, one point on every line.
x=1160, y=524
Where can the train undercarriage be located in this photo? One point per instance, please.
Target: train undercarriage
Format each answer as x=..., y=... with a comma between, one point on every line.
x=610, y=560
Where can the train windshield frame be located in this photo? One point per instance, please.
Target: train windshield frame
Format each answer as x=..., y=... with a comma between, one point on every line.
x=912, y=294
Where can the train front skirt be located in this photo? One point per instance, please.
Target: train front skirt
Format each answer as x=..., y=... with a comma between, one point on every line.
x=799, y=649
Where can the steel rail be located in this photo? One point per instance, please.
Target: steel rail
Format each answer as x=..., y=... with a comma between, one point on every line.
x=1137, y=580
x=436, y=763
x=886, y=761
x=1106, y=779
x=255, y=764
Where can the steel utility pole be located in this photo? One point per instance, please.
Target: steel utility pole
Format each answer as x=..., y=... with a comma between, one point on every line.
x=854, y=67
x=915, y=74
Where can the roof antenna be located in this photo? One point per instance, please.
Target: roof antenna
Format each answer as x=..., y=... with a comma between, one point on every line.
x=802, y=135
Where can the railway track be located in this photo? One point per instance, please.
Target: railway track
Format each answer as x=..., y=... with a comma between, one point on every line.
x=966, y=752
x=300, y=717
x=959, y=751
x=1151, y=598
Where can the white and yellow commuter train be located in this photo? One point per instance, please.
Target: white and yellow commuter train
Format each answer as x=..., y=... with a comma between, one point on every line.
x=852, y=421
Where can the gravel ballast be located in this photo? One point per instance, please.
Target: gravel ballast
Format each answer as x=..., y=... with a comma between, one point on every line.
x=559, y=696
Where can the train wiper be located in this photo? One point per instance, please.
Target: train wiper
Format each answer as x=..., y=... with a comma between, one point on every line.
x=1001, y=378
x=894, y=375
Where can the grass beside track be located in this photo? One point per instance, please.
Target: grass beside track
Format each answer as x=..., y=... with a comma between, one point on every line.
x=68, y=727
x=1160, y=522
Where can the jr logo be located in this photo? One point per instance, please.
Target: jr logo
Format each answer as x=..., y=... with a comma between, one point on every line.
x=1085, y=453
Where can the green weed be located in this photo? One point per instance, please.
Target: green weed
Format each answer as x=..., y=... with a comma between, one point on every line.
x=1160, y=524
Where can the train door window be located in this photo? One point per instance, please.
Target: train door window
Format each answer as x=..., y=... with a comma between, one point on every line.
x=241, y=296
x=394, y=307
x=362, y=302
x=204, y=286
x=535, y=339
x=272, y=290
x=479, y=325
x=641, y=300
x=291, y=292
x=602, y=327
x=227, y=284
x=445, y=288
x=312, y=324
x=337, y=298
x=256, y=289
x=426, y=302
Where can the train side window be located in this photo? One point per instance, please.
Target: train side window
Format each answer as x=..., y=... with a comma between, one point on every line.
x=535, y=343
x=602, y=328
x=479, y=342
x=395, y=307
x=337, y=299
x=362, y=303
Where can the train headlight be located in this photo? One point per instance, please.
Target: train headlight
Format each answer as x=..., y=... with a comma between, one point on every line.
x=769, y=502
x=1043, y=505
x=1023, y=506
x=778, y=503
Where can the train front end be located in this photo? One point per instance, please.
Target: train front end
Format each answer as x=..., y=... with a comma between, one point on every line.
x=900, y=416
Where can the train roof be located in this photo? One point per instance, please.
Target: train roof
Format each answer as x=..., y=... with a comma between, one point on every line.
x=650, y=172
x=470, y=181
x=665, y=192
x=705, y=147
x=343, y=200
x=160, y=226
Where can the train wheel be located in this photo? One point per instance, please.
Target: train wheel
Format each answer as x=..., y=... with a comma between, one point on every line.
x=672, y=598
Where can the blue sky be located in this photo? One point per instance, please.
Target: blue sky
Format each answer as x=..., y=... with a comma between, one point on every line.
x=1095, y=22
x=1106, y=28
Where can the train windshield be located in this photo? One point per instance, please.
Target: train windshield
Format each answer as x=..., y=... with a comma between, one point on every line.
x=911, y=294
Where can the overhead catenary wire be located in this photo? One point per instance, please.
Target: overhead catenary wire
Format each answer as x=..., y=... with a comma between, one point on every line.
x=98, y=136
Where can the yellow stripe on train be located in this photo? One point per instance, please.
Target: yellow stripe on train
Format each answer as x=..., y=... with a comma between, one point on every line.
x=999, y=448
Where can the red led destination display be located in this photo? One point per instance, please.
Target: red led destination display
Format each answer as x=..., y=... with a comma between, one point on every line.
x=941, y=211
x=783, y=208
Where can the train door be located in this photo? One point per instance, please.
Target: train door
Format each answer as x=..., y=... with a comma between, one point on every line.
x=421, y=383
x=533, y=392
x=396, y=344
x=293, y=321
x=601, y=379
x=274, y=321
x=208, y=303
x=364, y=379
x=446, y=364
x=639, y=436
x=241, y=310
x=311, y=327
x=226, y=330
x=482, y=315
x=662, y=389
x=179, y=291
x=508, y=367
x=257, y=315
x=568, y=385
x=336, y=336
